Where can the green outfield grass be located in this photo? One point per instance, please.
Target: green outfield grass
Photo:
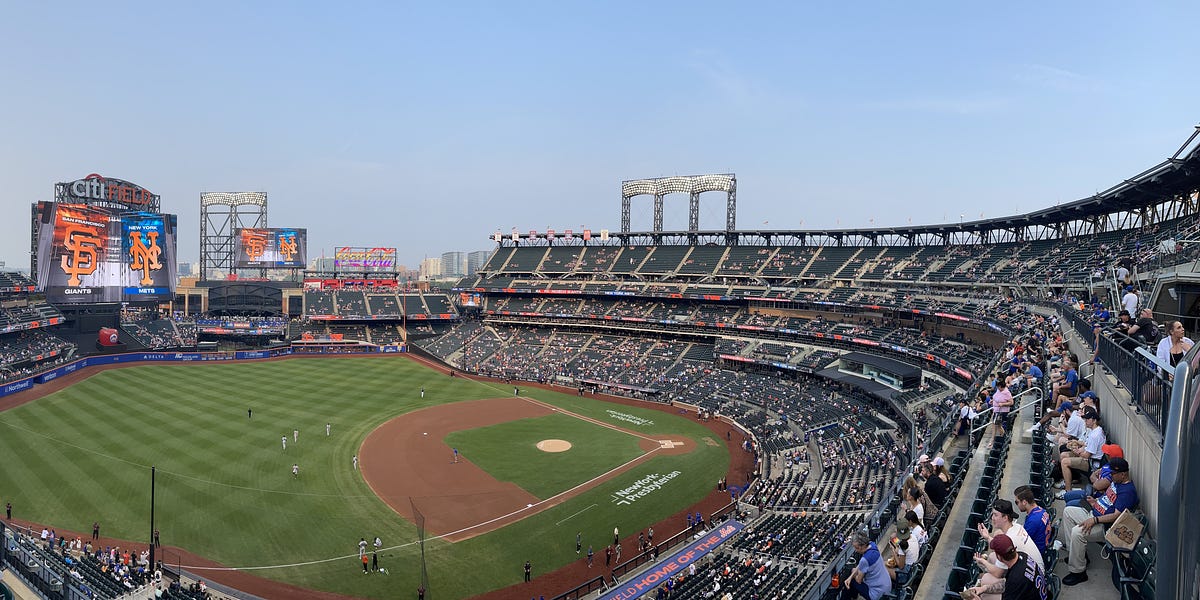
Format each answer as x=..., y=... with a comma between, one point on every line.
x=225, y=488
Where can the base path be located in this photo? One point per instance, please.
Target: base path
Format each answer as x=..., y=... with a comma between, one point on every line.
x=406, y=460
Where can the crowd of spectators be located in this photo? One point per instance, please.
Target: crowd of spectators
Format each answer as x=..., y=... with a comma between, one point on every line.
x=93, y=570
x=26, y=352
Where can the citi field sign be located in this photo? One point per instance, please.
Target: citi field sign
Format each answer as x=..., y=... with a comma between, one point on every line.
x=98, y=189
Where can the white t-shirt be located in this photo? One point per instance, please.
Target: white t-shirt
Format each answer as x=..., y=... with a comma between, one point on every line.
x=1130, y=302
x=1023, y=542
x=913, y=553
x=1095, y=440
x=1076, y=427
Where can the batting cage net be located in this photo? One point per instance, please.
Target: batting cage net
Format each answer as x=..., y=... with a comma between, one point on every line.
x=419, y=519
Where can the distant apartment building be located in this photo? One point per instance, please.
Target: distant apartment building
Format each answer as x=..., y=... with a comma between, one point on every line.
x=476, y=260
x=431, y=268
x=454, y=264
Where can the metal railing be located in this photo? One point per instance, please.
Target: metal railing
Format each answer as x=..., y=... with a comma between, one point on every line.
x=1149, y=386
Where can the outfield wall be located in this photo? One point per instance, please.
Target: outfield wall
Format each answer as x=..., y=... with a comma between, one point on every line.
x=135, y=357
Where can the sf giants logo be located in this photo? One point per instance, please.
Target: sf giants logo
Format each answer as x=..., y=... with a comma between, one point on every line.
x=143, y=257
x=287, y=247
x=256, y=244
x=82, y=242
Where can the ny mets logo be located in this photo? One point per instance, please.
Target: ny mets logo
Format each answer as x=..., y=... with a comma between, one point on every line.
x=256, y=244
x=287, y=246
x=143, y=257
x=83, y=243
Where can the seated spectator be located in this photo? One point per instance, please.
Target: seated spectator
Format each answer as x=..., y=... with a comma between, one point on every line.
x=1098, y=480
x=919, y=503
x=1083, y=455
x=1037, y=520
x=914, y=526
x=870, y=578
x=905, y=550
x=1067, y=381
x=935, y=488
x=1144, y=331
x=1081, y=526
x=1015, y=574
x=1004, y=524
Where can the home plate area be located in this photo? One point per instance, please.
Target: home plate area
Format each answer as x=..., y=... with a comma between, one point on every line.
x=668, y=444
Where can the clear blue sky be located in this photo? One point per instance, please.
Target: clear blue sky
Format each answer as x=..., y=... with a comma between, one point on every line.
x=429, y=125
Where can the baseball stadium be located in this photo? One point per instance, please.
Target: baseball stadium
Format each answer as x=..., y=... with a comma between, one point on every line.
x=610, y=414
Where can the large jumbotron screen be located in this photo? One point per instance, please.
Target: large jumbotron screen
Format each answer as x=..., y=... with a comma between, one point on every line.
x=272, y=248
x=89, y=254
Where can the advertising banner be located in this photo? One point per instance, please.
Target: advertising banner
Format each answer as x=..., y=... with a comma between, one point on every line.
x=357, y=258
x=649, y=580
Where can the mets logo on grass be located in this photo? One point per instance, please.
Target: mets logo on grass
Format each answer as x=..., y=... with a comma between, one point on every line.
x=643, y=487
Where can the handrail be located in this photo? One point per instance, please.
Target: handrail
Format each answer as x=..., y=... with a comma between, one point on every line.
x=1040, y=395
x=1139, y=371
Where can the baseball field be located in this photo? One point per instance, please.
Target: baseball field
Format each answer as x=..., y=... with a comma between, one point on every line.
x=533, y=470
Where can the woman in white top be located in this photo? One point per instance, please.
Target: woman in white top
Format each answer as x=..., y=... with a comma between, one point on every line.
x=1172, y=347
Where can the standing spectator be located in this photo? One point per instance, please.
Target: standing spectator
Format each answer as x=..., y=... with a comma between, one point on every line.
x=1002, y=403
x=1172, y=347
x=1130, y=300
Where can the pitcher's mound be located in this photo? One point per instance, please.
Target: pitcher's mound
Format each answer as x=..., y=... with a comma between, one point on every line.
x=554, y=445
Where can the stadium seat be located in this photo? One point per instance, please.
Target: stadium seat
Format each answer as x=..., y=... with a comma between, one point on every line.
x=1135, y=568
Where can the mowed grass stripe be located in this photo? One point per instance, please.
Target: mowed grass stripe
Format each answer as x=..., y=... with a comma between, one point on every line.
x=190, y=420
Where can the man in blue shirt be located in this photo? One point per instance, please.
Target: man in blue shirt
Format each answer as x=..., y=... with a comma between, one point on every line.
x=1066, y=384
x=1037, y=520
x=1033, y=373
x=870, y=578
x=1082, y=525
